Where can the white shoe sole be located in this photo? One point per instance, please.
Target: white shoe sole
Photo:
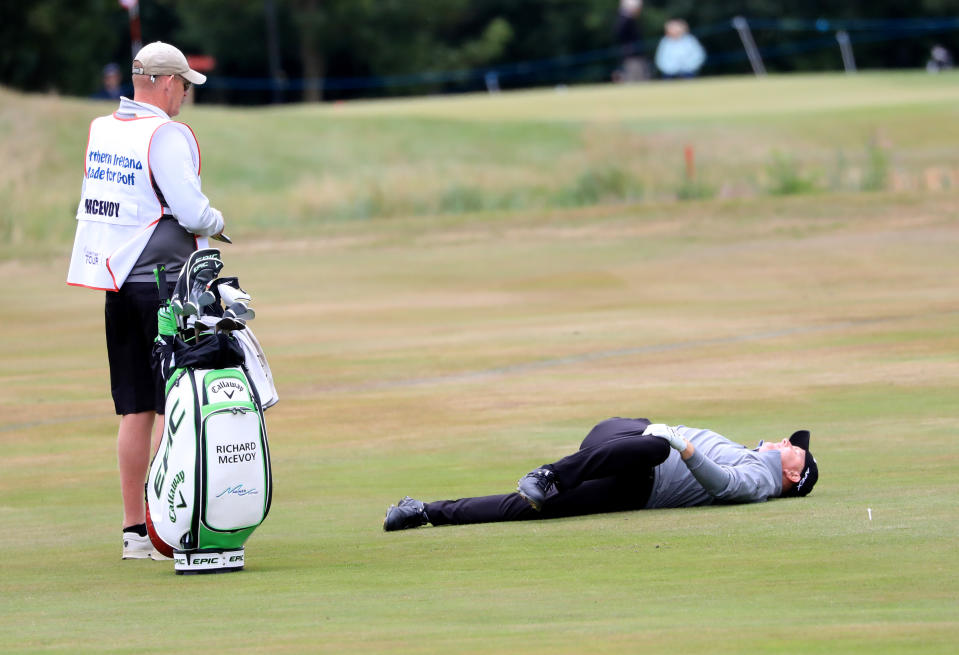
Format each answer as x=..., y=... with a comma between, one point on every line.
x=137, y=547
x=154, y=555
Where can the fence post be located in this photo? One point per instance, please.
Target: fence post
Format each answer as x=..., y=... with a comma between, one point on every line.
x=746, y=36
x=845, y=47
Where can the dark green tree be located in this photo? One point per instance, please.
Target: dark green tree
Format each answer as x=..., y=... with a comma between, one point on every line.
x=311, y=49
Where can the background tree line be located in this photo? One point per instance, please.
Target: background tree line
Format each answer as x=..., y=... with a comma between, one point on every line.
x=293, y=50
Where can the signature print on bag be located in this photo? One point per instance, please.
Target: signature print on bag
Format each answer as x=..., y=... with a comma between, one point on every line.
x=237, y=490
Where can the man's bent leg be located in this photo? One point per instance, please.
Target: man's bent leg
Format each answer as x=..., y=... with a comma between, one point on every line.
x=614, y=428
x=622, y=457
x=601, y=496
x=133, y=457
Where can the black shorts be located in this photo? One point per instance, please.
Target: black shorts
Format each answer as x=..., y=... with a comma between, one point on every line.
x=131, y=326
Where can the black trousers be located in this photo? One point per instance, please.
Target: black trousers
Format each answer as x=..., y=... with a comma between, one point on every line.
x=611, y=472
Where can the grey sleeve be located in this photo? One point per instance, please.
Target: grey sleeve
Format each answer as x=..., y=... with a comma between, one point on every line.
x=743, y=483
x=712, y=476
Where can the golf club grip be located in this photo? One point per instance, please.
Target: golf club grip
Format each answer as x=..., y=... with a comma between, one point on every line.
x=163, y=289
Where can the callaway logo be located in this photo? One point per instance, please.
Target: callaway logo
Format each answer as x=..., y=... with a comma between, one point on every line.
x=229, y=387
x=171, y=496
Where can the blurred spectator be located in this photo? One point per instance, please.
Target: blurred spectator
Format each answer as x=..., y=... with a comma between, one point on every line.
x=112, y=88
x=629, y=38
x=679, y=53
x=940, y=59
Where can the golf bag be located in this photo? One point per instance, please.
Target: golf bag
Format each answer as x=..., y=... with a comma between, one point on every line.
x=210, y=483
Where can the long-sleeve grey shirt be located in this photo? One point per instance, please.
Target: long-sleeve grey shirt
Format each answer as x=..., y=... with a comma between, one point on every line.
x=720, y=471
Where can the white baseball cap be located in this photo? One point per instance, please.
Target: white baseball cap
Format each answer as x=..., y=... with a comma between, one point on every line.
x=160, y=58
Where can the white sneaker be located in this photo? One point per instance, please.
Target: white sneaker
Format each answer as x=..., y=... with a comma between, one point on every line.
x=137, y=547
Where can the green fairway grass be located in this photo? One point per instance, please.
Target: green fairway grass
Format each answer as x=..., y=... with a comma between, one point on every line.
x=446, y=353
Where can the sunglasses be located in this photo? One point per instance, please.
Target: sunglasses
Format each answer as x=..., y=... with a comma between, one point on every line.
x=186, y=83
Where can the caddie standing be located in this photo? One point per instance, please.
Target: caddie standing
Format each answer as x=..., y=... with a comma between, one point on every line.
x=141, y=205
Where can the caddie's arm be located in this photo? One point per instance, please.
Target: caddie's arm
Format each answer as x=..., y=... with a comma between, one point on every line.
x=171, y=163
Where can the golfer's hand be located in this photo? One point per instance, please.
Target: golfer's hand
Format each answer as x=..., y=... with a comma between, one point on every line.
x=166, y=323
x=668, y=433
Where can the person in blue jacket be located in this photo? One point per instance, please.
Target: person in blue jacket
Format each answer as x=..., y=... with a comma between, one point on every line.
x=679, y=53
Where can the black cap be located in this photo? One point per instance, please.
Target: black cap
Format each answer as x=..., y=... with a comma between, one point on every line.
x=810, y=471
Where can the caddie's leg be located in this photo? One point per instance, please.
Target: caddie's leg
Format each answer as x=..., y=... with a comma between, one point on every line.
x=157, y=435
x=133, y=457
x=131, y=326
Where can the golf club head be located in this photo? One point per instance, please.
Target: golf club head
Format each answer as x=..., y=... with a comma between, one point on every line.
x=209, y=322
x=179, y=293
x=232, y=294
x=205, y=299
x=235, y=322
x=239, y=310
x=207, y=274
x=199, y=291
x=229, y=324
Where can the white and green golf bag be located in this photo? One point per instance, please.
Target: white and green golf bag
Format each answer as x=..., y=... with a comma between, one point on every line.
x=210, y=484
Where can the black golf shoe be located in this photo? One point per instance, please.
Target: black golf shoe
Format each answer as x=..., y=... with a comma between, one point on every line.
x=406, y=514
x=535, y=485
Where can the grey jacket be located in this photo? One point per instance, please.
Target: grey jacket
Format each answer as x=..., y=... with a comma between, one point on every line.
x=720, y=471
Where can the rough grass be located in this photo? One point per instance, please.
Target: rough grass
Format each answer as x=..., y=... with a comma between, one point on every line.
x=292, y=170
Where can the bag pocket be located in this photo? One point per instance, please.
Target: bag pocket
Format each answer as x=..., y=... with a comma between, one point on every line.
x=236, y=471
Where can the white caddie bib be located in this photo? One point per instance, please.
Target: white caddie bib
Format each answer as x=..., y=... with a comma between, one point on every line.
x=119, y=208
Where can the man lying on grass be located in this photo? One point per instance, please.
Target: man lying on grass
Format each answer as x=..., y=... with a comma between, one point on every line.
x=627, y=464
